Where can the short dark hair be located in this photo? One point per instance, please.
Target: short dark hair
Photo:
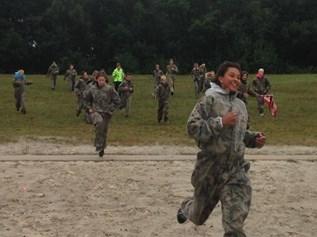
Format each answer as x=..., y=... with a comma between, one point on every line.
x=223, y=68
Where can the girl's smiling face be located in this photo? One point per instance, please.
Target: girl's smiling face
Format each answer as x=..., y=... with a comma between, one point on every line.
x=231, y=80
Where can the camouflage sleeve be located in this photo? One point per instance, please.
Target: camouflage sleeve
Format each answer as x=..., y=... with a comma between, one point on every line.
x=88, y=98
x=201, y=126
x=250, y=139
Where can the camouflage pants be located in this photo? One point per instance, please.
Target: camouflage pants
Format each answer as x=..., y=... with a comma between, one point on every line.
x=171, y=82
x=234, y=193
x=101, y=122
x=197, y=85
x=71, y=82
x=19, y=95
x=127, y=106
x=53, y=82
x=260, y=102
x=162, y=112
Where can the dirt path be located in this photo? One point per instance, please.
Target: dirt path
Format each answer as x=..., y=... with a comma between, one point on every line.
x=131, y=194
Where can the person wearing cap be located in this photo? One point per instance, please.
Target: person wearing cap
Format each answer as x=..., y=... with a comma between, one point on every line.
x=19, y=83
x=260, y=87
x=218, y=124
x=163, y=92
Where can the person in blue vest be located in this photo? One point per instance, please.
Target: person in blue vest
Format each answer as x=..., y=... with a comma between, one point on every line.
x=19, y=83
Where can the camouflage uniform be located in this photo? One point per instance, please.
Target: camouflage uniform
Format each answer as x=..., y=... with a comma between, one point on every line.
x=53, y=72
x=70, y=76
x=157, y=76
x=125, y=91
x=103, y=102
x=220, y=172
x=19, y=83
x=260, y=87
x=243, y=91
x=202, y=74
x=162, y=94
x=171, y=70
x=196, y=79
x=80, y=87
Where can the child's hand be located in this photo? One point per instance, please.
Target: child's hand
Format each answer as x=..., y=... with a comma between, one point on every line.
x=260, y=140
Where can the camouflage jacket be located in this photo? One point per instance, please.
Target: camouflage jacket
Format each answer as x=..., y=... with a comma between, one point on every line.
x=171, y=69
x=163, y=92
x=205, y=124
x=71, y=74
x=53, y=69
x=157, y=75
x=80, y=86
x=261, y=86
x=102, y=100
x=196, y=74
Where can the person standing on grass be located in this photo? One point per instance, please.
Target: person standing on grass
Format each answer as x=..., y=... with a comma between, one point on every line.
x=101, y=101
x=79, y=88
x=196, y=78
x=126, y=90
x=260, y=87
x=157, y=73
x=52, y=73
x=117, y=76
x=163, y=92
x=218, y=124
x=70, y=76
x=19, y=83
x=171, y=70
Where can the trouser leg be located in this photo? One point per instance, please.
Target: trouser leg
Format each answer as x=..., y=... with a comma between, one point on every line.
x=198, y=208
x=160, y=111
x=260, y=103
x=236, y=201
x=127, y=107
x=196, y=84
x=165, y=111
x=17, y=98
x=101, y=123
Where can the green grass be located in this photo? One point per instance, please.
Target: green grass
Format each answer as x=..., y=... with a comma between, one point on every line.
x=52, y=113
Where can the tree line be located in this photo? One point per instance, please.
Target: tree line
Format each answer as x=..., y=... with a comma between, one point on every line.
x=280, y=36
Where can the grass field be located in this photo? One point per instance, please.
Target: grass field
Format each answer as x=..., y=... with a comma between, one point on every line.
x=52, y=113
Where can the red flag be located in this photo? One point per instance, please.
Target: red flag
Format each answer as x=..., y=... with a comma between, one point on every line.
x=270, y=103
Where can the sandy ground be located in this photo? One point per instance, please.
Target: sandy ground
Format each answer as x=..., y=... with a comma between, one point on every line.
x=140, y=198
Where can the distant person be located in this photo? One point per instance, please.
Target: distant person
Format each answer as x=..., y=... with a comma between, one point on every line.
x=260, y=87
x=209, y=78
x=101, y=101
x=52, y=73
x=117, y=76
x=243, y=91
x=79, y=89
x=126, y=90
x=218, y=124
x=157, y=73
x=163, y=92
x=19, y=83
x=70, y=76
x=171, y=71
x=196, y=78
x=202, y=74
